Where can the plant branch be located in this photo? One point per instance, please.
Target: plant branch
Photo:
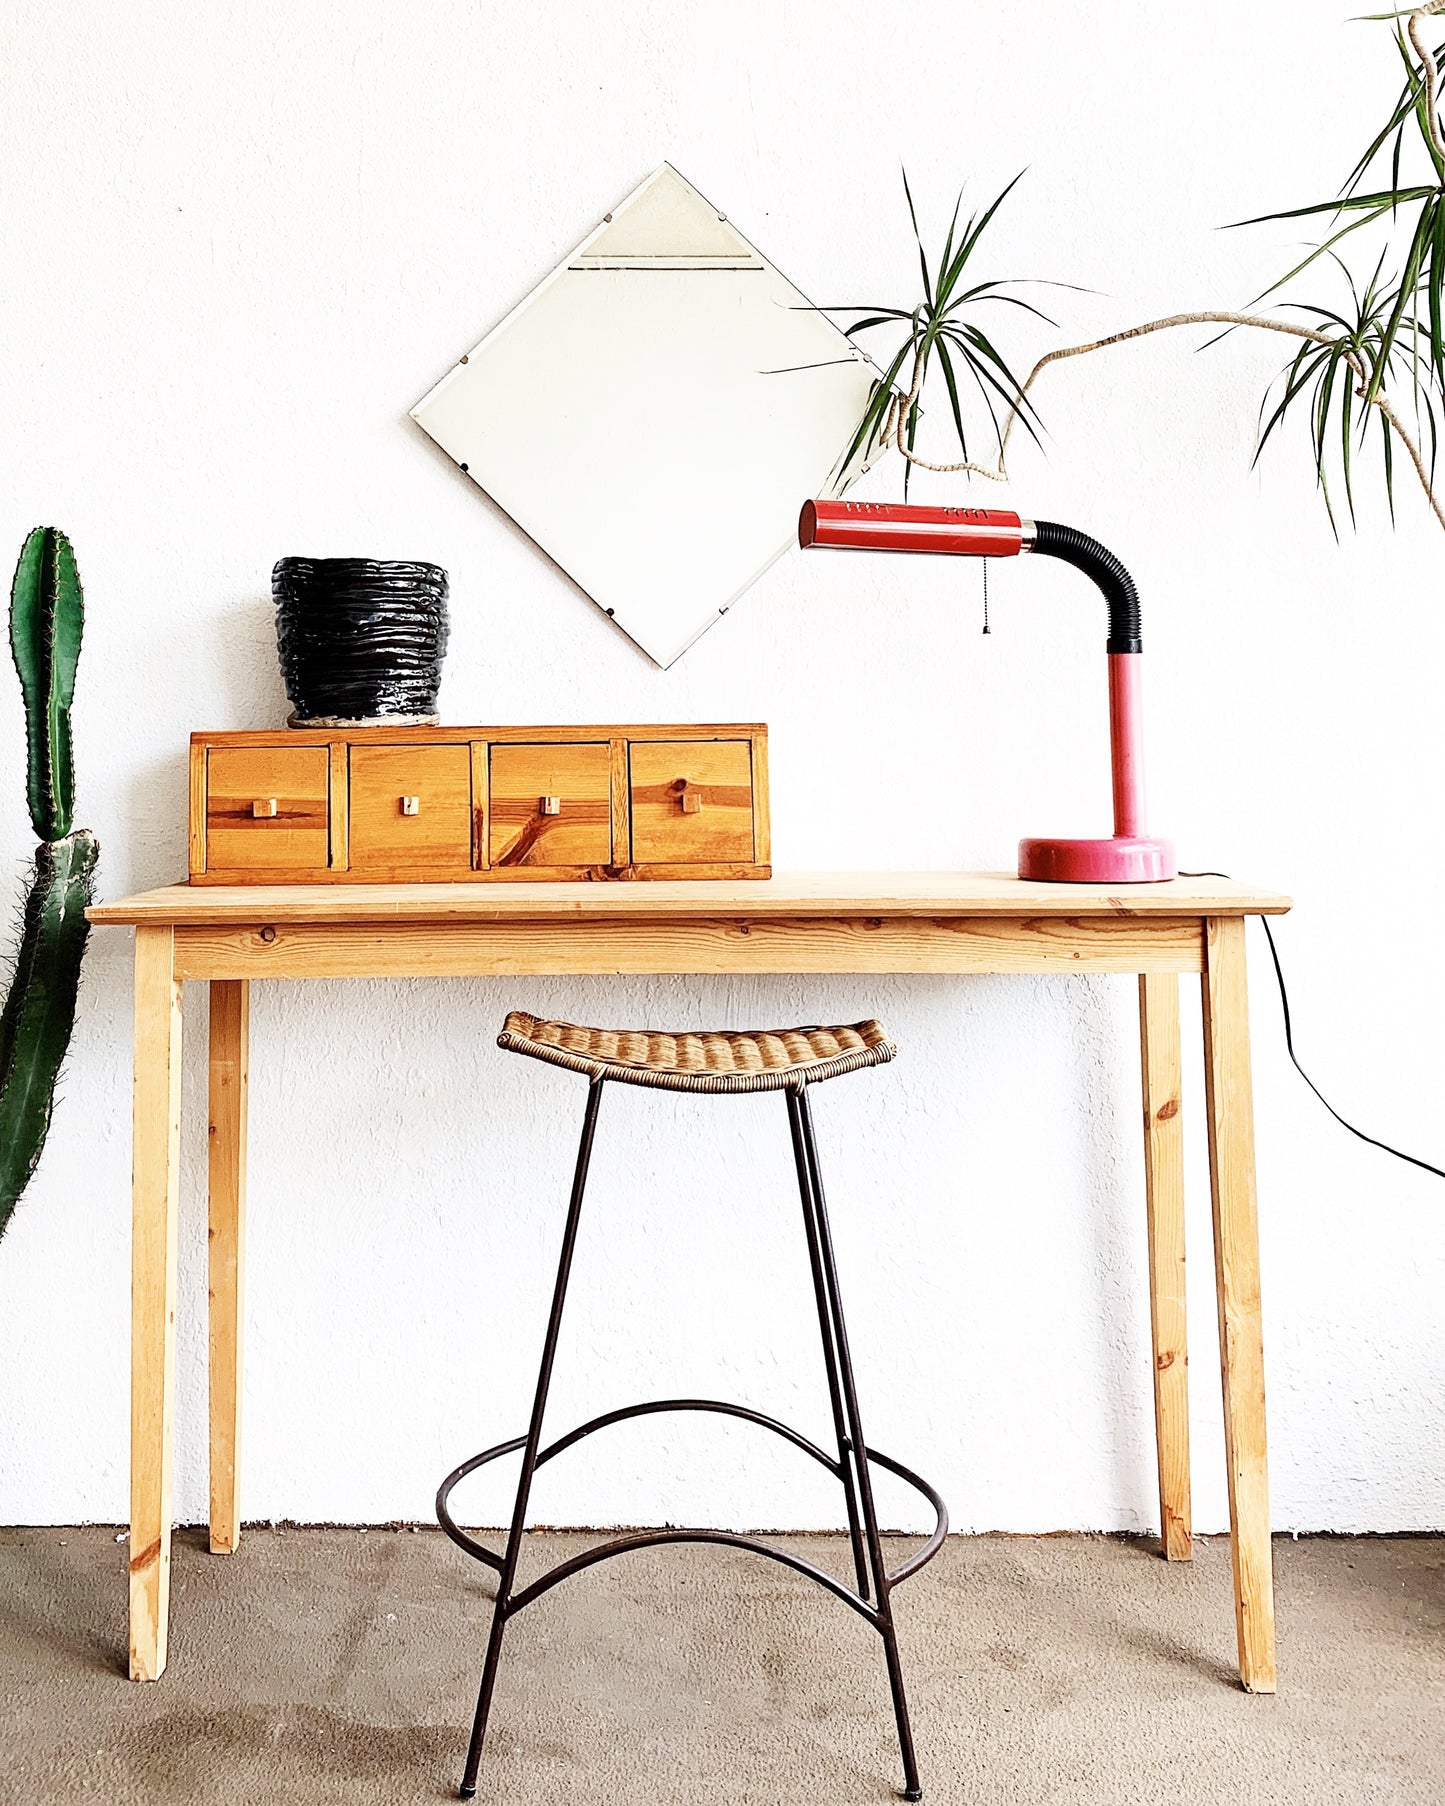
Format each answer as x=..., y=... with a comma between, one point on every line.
x=1430, y=73
x=899, y=408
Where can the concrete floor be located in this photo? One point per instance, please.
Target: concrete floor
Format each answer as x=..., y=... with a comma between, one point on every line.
x=317, y=1665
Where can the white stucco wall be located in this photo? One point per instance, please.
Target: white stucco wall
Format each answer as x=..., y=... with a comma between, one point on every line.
x=237, y=243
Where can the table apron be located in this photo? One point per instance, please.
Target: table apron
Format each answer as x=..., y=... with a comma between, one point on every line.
x=853, y=943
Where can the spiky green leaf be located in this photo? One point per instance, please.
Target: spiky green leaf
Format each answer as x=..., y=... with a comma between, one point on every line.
x=39, y=1010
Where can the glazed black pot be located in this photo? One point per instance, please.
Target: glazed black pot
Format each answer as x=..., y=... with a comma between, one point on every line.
x=361, y=640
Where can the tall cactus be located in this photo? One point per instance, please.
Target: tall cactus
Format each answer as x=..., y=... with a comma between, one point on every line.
x=46, y=618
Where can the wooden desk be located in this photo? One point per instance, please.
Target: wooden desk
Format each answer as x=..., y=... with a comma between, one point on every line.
x=817, y=922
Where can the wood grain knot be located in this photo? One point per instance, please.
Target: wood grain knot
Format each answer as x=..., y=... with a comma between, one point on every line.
x=1170, y=1107
x=147, y=1558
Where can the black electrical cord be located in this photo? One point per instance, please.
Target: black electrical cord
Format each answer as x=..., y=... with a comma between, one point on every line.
x=1359, y=1134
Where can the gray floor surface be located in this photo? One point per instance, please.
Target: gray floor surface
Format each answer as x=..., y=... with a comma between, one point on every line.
x=328, y=1665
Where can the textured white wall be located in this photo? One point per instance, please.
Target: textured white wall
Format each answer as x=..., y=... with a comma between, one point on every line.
x=239, y=241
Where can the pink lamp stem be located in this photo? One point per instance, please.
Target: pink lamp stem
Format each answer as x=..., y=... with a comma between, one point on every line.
x=1126, y=741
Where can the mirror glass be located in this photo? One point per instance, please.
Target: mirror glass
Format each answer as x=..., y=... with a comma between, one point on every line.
x=655, y=413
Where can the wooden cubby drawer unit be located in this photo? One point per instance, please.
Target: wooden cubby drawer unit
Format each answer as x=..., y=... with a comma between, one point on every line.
x=411, y=811
x=418, y=805
x=692, y=802
x=268, y=809
x=550, y=806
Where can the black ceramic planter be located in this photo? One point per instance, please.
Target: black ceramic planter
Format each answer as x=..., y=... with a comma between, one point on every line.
x=361, y=640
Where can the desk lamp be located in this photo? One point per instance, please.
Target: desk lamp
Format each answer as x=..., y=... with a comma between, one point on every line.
x=1130, y=855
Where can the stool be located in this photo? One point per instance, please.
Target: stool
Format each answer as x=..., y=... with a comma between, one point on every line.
x=786, y=1060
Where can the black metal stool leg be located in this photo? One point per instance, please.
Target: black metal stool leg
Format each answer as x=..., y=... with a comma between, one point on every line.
x=830, y=1359
x=912, y=1788
x=529, y=1455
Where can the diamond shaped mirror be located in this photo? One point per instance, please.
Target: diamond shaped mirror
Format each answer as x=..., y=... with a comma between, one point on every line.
x=655, y=413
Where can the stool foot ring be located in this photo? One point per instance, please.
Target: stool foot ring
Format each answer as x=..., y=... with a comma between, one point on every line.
x=644, y=1539
x=647, y=1539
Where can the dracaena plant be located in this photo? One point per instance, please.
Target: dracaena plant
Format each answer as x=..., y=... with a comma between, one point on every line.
x=1371, y=354
x=949, y=330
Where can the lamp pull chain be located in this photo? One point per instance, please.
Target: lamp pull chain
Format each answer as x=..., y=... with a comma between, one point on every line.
x=986, y=627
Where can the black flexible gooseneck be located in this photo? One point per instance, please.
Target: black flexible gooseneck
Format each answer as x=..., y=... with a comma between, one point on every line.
x=1054, y=540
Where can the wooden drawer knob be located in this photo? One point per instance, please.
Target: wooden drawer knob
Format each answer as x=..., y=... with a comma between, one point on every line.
x=549, y=805
x=263, y=806
x=410, y=805
x=689, y=801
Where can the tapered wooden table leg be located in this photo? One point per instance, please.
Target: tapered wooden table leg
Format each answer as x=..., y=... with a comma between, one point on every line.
x=230, y=1028
x=1164, y=1197
x=1236, y=1269
x=154, y=1180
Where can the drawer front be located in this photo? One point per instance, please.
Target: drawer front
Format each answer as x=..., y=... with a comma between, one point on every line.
x=692, y=802
x=550, y=805
x=411, y=810
x=267, y=808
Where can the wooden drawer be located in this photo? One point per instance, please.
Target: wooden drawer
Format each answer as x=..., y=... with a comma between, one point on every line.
x=550, y=805
x=411, y=811
x=692, y=802
x=268, y=808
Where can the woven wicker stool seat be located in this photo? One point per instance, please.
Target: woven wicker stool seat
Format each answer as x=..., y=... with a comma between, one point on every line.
x=786, y=1060
x=758, y=1060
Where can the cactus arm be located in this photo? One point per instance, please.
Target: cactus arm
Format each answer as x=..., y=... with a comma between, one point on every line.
x=47, y=614
x=39, y=1010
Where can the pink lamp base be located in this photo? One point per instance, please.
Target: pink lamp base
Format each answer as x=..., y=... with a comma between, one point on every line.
x=1122, y=860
